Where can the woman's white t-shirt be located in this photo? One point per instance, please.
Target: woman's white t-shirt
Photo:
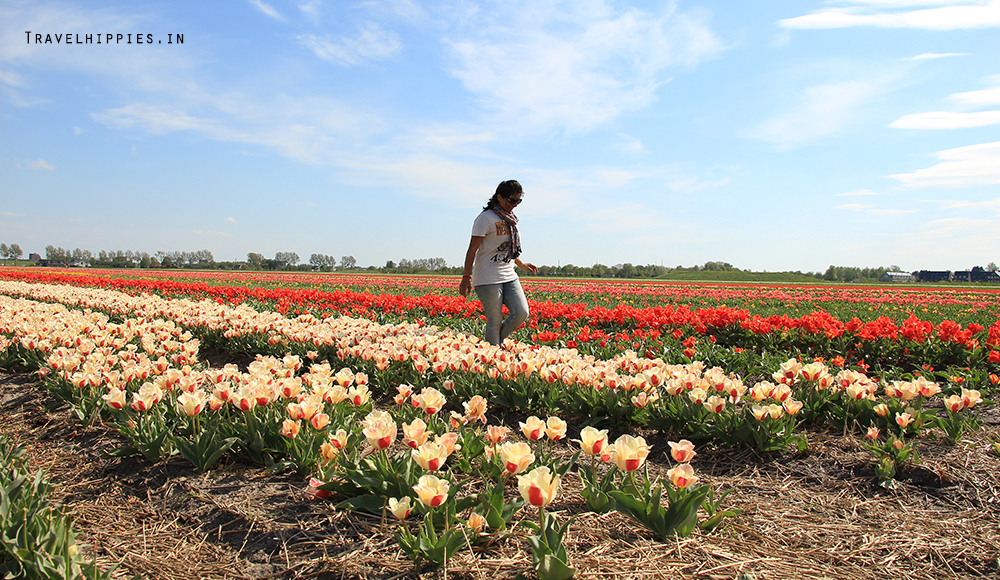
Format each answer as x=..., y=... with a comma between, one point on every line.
x=490, y=266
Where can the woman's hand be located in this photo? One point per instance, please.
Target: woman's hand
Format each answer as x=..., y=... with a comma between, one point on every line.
x=526, y=266
x=465, y=286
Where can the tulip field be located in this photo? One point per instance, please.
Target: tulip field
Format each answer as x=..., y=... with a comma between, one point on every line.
x=377, y=394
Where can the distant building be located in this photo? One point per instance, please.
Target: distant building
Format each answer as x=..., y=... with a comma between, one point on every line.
x=932, y=275
x=34, y=258
x=980, y=274
x=897, y=277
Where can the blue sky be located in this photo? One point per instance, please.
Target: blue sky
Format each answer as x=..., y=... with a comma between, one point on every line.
x=784, y=135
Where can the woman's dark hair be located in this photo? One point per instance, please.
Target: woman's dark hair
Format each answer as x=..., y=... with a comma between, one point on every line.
x=504, y=190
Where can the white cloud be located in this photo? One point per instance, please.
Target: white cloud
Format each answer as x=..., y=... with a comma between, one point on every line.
x=820, y=111
x=230, y=220
x=77, y=131
x=371, y=43
x=159, y=121
x=943, y=15
x=960, y=167
x=10, y=214
x=982, y=97
x=947, y=120
x=40, y=164
x=935, y=55
x=893, y=211
x=694, y=184
x=267, y=9
x=11, y=78
x=992, y=204
x=629, y=145
x=575, y=65
x=310, y=9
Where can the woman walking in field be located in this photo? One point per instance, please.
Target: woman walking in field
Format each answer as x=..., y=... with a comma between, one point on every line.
x=494, y=250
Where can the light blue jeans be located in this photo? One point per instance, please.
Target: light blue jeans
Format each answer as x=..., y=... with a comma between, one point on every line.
x=494, y=297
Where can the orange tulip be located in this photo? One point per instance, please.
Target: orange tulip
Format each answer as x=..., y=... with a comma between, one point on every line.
x=430, y=456
x=496, y=433
x=477, y=522
x=319, y=421
x=358, y=395
x=430, y=400
x=533, y=428
x=432, y=491
x=682, y=475
x=338, y=439
x=593, y=441
x=555, y=428
x=970, y=397
x=715, y=404
x=954, y=403
x=290, y=428
x=538, y=487
x=792, y=406
x=400, y=508
x=682, y=451
x=380, y=433
x=475, y=409
x=415, y=433
x=629, y=452
x=516, y=456
x=448, y=441
x=115, y=398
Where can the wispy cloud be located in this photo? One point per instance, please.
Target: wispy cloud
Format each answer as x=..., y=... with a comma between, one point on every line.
x=938, y=15
x=960, y=167
x=819, y=111
x=266, y=9
x=947, y=120
x=554, y=66
x=935, y=55
x=40, y=164
x=854, y=206
x=10, y=214
x=310, y=8
x=958, y=119
x=630, y=145
x=992, y=204
x=371, y=43
x=231, y=220
x=984, y=97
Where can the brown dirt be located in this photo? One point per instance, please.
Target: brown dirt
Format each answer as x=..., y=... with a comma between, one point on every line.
x=815, y=515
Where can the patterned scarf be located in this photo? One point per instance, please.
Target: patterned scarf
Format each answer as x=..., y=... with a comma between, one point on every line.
x=514, y=250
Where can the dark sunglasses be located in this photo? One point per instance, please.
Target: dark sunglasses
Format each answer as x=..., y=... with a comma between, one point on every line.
x=514, y=200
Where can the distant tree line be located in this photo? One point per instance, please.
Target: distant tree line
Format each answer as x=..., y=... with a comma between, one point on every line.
x=11, y=252
x=203, y=259
x=854, y=274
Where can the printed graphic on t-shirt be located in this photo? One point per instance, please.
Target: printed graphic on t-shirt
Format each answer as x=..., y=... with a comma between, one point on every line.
x=502, y=228
x=502, y=251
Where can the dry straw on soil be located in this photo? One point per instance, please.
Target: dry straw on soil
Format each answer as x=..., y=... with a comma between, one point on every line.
x=813, y=515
